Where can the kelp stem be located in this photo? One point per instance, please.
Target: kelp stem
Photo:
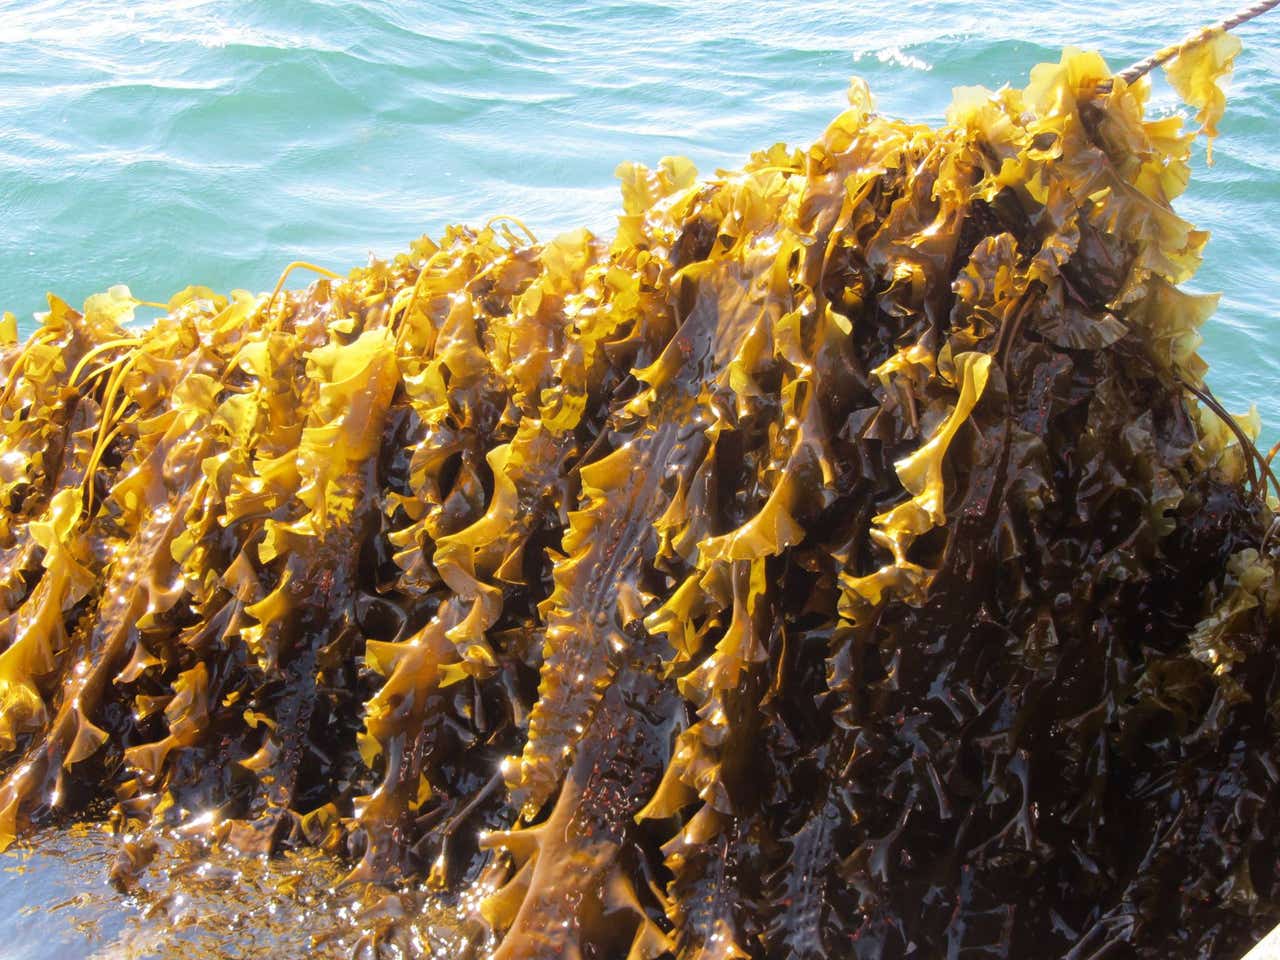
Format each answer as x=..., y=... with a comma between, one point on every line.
x=1259, y=467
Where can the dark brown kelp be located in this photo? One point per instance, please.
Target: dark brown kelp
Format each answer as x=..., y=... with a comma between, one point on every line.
x=846, y=560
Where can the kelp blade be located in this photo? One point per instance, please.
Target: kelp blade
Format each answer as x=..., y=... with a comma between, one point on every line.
x=846, y=559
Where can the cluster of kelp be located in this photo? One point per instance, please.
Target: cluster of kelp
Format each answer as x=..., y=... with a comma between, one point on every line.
x=844, y=560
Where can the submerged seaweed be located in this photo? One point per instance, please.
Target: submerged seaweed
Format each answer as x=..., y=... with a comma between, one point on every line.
x=846, y=559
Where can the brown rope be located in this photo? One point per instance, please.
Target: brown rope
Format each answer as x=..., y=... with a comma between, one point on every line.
x=1142, y=67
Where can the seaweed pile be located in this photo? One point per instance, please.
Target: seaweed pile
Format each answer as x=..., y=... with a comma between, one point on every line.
x=846, y=559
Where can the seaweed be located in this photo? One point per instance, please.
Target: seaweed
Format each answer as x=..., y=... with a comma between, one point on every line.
x=847, y=558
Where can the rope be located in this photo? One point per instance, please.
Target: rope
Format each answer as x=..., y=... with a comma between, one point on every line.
x=1142, y=67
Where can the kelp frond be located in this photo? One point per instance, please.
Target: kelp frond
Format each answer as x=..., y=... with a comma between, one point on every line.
x=846, y=559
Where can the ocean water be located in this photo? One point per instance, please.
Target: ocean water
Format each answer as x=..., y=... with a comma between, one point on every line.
x=161, y=143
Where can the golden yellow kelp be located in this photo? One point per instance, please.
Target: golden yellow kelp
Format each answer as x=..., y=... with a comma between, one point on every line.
x=1194, y=74
x=846, y=560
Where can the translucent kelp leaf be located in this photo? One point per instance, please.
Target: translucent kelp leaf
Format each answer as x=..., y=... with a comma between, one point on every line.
x=921, y=473
x=1197, y=73
x=113, y=308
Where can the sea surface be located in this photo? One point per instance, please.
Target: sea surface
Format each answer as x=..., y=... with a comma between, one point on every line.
x=162, y=143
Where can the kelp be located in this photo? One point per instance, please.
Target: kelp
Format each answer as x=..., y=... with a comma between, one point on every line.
x=845, y=559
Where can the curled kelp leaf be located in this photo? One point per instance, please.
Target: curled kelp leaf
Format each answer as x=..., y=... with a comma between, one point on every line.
x=1197, y=72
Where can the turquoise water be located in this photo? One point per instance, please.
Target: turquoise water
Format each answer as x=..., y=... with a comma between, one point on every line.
x=160, y=143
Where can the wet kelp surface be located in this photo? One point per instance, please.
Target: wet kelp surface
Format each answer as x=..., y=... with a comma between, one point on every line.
x=845, y=559
x=193, y=902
